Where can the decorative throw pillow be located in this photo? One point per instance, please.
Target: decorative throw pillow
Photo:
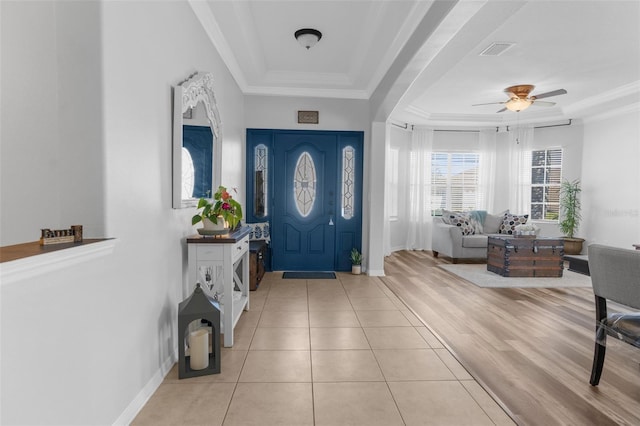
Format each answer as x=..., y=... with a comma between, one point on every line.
x=477, y=220
x=492, y=222
x=459, y=219
x=510, y=222
x=259, y=231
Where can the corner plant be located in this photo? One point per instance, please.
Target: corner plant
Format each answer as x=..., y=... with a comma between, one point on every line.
x=355, y=256
x=570, y=207
x=225, y=206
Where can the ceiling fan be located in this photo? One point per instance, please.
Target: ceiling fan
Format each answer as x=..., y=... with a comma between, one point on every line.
x=519, y=98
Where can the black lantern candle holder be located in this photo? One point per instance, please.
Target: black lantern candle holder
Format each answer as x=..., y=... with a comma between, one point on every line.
x=205, y=309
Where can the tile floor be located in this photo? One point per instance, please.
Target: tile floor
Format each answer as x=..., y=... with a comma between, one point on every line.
x=327, y=352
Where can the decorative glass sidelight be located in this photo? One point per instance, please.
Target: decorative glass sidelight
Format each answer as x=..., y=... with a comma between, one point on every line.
x=348, y=181
x=304, y=184
x=260, y=181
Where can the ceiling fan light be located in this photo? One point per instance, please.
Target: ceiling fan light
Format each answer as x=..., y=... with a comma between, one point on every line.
x=308, y=37
x=517, y=104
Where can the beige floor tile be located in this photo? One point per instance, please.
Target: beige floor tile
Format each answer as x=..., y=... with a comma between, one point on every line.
x=414, y=320
x=286, y=304
x=241, y=338
x=271, y=404
x=372, y=304
x=248, y=319
x=363, y=290
x=412, y=364
x=257, y=303
x=280, y=339
x=322, y=284
x=395, y=338
x=441, y=403
x=345, y=366
x=452, y=364
x=277, y=366
x=329, y=296
x=329, y=305
x=288, y=290
x=333, y=319
x=284, y=319
x=490, y=407
x=382, y=319
x=231, y=362
x=430, y=338
x=186, y=404
x=338, y=338
x=368, y=404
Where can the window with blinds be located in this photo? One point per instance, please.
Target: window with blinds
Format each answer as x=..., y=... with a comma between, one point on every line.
x=454, y=181
x=546, y=178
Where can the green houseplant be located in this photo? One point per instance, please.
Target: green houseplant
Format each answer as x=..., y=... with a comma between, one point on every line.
x=356, y=261
x=570, y=215
x=223, y=207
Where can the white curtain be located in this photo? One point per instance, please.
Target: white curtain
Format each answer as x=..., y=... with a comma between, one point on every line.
x=419, y=199
x=487, y=147
x=520, y=143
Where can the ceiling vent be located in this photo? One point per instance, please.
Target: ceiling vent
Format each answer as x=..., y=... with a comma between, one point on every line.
x=496, y=49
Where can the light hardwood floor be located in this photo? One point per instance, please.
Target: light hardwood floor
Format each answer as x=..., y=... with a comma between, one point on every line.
x=530, y=348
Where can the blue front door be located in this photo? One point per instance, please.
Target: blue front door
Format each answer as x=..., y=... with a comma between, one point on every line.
x=304, y=202
x=313, y=196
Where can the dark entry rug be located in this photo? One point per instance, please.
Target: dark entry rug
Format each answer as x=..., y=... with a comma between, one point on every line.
x=301, y=275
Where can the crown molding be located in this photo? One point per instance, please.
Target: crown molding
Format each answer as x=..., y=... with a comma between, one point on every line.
x=306, y=92
x=204, y=14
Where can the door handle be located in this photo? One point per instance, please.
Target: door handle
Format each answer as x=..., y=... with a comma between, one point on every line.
x=330, y=220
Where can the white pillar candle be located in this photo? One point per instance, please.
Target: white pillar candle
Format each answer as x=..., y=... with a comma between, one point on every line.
x=199, y=349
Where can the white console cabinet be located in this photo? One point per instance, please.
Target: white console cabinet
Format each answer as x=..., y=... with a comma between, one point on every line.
x=221, y=265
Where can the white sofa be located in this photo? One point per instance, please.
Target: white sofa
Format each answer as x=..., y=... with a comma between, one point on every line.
x=450, y=239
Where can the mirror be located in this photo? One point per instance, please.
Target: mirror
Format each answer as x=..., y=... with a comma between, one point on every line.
x=197, y=141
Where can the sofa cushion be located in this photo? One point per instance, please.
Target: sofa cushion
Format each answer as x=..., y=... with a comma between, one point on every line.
x=492, y=222
x=459, y=219
x=474, y=241
x=510, y=222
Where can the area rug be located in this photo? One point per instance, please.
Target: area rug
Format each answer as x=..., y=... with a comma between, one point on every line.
x=478, y=275
x=301, y=275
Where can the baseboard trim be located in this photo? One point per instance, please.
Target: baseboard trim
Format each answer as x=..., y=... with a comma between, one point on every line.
x=147, y=391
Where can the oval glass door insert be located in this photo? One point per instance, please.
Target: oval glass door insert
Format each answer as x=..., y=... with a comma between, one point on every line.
x=304, y=184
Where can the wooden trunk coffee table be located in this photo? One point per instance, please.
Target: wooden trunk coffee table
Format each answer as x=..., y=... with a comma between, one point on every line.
x=512, y=256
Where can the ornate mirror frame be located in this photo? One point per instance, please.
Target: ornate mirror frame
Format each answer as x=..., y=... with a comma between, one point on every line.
x=197, y=88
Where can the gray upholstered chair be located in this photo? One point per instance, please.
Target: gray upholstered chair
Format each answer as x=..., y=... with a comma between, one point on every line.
x=615, y=275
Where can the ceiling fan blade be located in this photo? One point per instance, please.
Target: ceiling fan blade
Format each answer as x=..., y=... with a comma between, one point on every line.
x=490, y=103
x=549, y=94
x=502, y=110
x=543, y=103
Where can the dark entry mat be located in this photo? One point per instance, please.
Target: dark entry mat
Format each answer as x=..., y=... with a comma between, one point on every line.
x=301, y=275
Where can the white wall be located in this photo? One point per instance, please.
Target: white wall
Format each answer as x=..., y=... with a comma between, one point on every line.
x=280, y=112
x=51, y=170
x=611, y=180
x=88, y=344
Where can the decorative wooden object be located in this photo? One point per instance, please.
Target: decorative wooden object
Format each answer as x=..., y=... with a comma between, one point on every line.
x=525, y=257
x=308, y=117
x=257, y=251
x=60, y=236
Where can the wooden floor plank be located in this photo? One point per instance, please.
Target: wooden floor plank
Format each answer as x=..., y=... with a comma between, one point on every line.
x=530, y=348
